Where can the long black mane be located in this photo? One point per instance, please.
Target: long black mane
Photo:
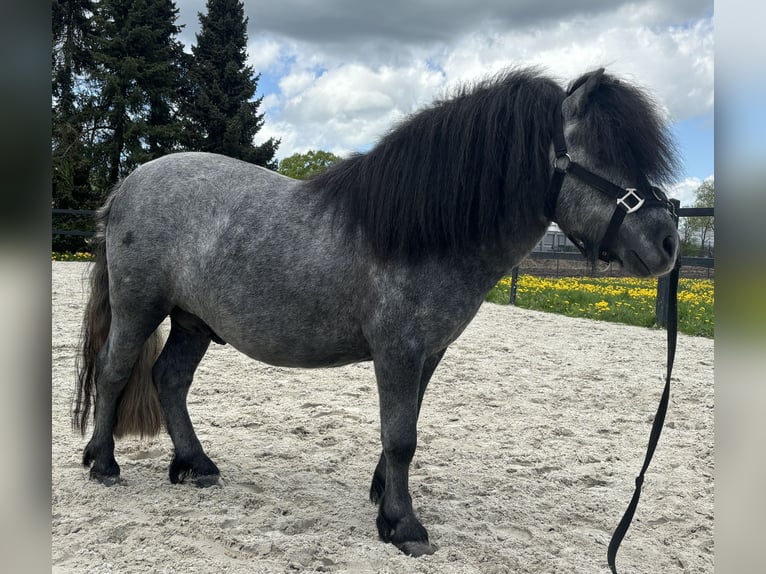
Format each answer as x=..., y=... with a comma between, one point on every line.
x=467, y=170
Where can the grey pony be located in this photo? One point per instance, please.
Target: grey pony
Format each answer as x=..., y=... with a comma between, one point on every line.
x=296, y=274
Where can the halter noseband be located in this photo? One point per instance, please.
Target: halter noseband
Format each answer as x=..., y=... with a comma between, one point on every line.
x=628, y=200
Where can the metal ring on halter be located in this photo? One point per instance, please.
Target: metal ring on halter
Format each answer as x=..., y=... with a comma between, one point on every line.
x=658, y=194
x=662, y=197
x=567, y=160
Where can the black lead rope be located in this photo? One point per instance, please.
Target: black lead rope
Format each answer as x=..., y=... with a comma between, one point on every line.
x=627, y=201
x=659, y=419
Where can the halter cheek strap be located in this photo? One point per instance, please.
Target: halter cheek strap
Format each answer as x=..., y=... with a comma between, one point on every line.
x=560, y=166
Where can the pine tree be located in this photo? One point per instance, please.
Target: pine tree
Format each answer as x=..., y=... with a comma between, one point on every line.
x=71, y=154
x=71, y=58
x=222, y=116
x=137, y=75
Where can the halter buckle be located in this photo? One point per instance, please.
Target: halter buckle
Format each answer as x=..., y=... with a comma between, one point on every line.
x=630, y=196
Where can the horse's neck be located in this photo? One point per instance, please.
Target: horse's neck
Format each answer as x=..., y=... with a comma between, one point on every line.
x=499, y=259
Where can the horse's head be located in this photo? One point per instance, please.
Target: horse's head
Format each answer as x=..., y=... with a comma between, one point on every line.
x=610, y=150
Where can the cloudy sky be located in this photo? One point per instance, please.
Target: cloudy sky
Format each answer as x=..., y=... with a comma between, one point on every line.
x=336, y=74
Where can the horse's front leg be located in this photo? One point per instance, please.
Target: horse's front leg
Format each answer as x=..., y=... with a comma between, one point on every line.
x=399, y=376
x=378, y=486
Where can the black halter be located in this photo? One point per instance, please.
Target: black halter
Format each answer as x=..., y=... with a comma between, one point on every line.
x=629, y=200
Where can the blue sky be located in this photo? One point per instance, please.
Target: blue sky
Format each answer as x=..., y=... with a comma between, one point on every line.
x=336, y=74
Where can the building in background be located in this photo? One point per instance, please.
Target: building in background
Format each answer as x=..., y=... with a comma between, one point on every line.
x=554, y=240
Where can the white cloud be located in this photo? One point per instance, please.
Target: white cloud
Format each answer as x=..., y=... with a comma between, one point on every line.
x=676, y=64
x=269, y=103
x=347, y=108
x=264, y=54
x=685, y=191
x=357, y=98
x=295, y=83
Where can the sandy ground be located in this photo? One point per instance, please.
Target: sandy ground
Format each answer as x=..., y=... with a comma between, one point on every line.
x=532, y=431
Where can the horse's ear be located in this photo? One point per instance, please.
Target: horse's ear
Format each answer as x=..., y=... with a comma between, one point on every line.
x=575, y=103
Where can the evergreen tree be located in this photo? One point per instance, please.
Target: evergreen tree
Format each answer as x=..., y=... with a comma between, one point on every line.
x=71, y=158
x=222, y=116
x=71, y=58
x=137, y=75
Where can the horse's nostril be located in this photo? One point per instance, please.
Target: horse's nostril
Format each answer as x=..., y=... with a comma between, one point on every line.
x=669, y=245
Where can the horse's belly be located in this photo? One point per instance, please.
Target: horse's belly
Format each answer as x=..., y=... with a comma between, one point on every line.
x=288, y=352
x=298, y=339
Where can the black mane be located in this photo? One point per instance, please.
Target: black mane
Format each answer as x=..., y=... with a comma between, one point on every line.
x=465, y=171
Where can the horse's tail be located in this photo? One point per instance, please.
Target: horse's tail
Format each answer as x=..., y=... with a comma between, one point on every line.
x=138, y=409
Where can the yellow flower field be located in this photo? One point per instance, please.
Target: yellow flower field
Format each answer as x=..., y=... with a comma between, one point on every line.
x=79, y=256
x=620, y=299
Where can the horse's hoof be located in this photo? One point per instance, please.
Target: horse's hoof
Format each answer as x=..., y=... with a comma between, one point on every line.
x=207, y=480
x=202, y=471
x=416, y=548
x=105, y=479
x=408, y=535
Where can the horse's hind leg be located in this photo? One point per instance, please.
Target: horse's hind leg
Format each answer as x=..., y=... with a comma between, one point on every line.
x=128, y=333
x=378, y=486
x=173, y=373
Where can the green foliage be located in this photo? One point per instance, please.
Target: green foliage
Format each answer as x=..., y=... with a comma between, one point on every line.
x=304, y=165
x=73, y=38
x=72, y=243
x=221, y=115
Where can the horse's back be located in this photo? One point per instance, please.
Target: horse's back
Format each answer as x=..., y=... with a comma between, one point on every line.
x=190, y=198
x=171, y=215
x=179, y=183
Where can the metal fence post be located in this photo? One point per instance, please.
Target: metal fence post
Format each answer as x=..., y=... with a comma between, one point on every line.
x=514, y=280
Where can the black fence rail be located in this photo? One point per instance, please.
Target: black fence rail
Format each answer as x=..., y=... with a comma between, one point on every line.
x=73, y=232
x=576, y=256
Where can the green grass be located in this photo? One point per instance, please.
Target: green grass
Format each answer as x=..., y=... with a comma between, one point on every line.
x=617, y=299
